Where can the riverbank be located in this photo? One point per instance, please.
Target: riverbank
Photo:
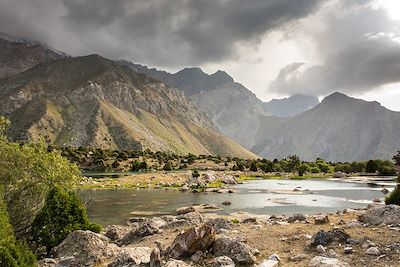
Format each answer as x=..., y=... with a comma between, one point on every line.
x=176, y=180
x=349, y=238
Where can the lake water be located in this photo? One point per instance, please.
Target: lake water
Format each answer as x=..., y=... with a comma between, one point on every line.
x=260, y=197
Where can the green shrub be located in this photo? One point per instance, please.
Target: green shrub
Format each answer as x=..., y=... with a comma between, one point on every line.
x=12, y=253
x=195, y=173
x=394, y=197
x=315, y=170
x=167, y=166
x=62, y=214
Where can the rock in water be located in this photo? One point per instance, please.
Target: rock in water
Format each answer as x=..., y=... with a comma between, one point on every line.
x=319, y=261
x=388, y=214
x=132, y=256
x=84, y=248
x=234, y=248
x=196, y=238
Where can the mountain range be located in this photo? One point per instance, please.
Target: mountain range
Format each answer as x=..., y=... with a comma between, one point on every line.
x=93, y=101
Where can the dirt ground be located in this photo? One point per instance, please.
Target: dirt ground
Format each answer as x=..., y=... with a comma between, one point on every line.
x=292, y=239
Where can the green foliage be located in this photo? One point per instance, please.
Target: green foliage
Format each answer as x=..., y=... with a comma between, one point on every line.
x=4, y=125
x=167, y=166
x=293, y=161
x=195, y=174
x=253, y=166
x=62, y=213
x=12, y=253
x=394, y=197
x=303, y=168
x=27, y=174
x=138, y=166
x=315, y=170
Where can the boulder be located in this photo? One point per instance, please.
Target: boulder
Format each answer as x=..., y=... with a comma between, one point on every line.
x=339, y=174
x=176, y=263
x=151, y=227
x=84, y=248
x=155, y=258
x=194, y=218
x=196, y=238
x=321, y=219
x=222, y=261
x=219, y=223
x=184, y=188
x=324, y=238
x=132, y=256
x=388, y=214
x=296, y=217
x=320, y=249
x=229, y=180
x=319, y=261
x=116, y=232
x=226, y=203
x=185, y=210
x=234, y=248
x=47, y=262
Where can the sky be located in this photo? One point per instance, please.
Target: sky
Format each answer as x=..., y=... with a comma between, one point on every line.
x=275, y=48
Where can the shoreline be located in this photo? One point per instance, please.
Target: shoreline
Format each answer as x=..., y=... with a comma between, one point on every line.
x=291, y=238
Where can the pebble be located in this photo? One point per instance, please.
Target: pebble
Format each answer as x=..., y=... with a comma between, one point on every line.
x=348, y=250
x=298, y=257
x=373, y=251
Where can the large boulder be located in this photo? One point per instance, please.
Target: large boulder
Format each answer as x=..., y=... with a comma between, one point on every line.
x=132, y=257
x=229, y=180
x=194, y=218
x=388, y=214
x=234, y=248
x=320, y=261
x=84, y=248
x=324, y=238
x=150, y=227
x=116, y=232
x=296, y=217
x=219, y=224
x=195, y=239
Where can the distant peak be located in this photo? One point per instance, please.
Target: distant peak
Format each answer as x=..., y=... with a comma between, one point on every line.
x=337, y=96
x=192, y=70
x=223, y=76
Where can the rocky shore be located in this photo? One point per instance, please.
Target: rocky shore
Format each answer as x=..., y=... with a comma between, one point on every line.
x=367, y=237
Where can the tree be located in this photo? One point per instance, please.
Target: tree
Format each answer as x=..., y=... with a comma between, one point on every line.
x=303, y=168
x=293, y=161
x=372, y=167
x=168, y=166
x=27, y=172
x=63, y=212
x=394, y=197
x=253, y=166
x=195, y=174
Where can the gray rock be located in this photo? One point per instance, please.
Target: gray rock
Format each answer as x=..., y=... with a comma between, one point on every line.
x=324, y=238
x=185, y=210
x=176, y=263
x=298, y=257
x=269, y=263
x=47, y=262
x=84, y=248
x=116, y=232
x=274, y=257
x=194, y=239
x=229, y=180
x=388, y=214
x=234, y=248
x=373, y=251
x=348, y=250
x=155, y=258
x=198, y=257
x=319, y=261
x=339, y=174
x=184, y=188
x=394, y=247
x=132, y=256
x=320, y=249
x=219, y=223
x=194, y=218
x=321, y=219
x=151, y=227
x=222, y=261
x=368, y=244
x=296, y=217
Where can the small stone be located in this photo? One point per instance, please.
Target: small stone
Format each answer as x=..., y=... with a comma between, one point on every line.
x=298, y=257
x=320, y=249
x=332, y=253
x=348, y=250
x=226, y=203
x=296, y=217
x=269, y=263
x=319, y=261
x=274, y=257
x=185, y=210
x=373, y=251
x=368, y=244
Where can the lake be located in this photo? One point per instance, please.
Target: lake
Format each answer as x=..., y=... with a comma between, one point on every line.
x=115, y=206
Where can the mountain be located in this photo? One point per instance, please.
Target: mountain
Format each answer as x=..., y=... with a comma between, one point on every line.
x=340, y=128
x=92, y=101
x=18, y=54
x=233, y=108
x=290, y=106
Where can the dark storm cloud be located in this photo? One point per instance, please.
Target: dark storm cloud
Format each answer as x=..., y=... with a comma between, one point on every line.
x=156, y=32
x=361, y=50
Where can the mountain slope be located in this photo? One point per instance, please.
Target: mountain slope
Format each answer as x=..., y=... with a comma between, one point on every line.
x=18, y=55
x=340, y=128
x=233, y=108
x=91, y=101
x=290, y=106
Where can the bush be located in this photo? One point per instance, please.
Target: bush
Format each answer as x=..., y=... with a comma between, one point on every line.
x=27, y=174
x=394, y=197
x=62, y=214
x=315, y=170
x=167, y=166
x=12, y=253
x=195, y=174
